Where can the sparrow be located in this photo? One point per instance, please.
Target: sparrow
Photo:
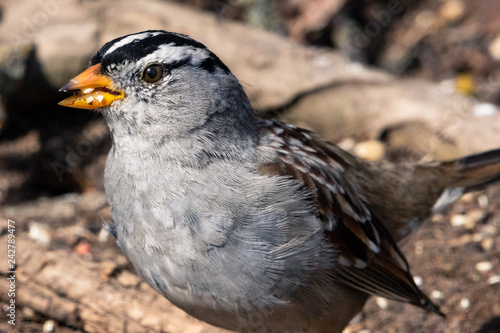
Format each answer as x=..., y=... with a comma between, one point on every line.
x=246, y=223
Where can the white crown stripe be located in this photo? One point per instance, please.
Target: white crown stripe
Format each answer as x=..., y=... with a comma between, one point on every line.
x=131, y=39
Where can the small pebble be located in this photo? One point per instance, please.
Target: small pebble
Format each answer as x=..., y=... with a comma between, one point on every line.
x=28, y=313
x=469, y=220
x=82, y=248
x=484, y=109
x=40, y=233
x=474, y=217
x=477, y=238
x=425, y=19
x=464, y=303
x=482, y=200
x=487, y=244
x=494, y=48
x=437, y=294
x=347, y=144
x=103, y=235
x=438, y=218
x=370, y=150
x=467, y=197
x=458, y=220
x=49, y=326
x=452, y=11
x=494, y=280
x=382, y=303
x=128, y=279
x=418, y=280
x=484, y=266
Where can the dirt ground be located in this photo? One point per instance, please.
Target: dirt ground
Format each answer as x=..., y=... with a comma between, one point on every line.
x=459, y=266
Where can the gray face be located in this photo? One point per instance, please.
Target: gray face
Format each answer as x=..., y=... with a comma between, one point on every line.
x=172, y=84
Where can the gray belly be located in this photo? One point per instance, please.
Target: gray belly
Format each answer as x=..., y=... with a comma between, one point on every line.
x=249, y=255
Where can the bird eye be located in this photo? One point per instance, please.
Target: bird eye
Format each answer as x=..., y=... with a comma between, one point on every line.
x=152, y=73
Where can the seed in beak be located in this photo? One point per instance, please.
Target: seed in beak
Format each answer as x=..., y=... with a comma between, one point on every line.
x=88, y=90
x=89, y=99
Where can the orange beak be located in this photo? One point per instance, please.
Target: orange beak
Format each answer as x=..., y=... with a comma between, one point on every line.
x=93, y=90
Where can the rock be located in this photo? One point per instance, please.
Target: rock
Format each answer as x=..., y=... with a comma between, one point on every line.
x=83, y=248
x=28, y=313
x=477, y=237
x=49, y=326
x=473, y=217
x=437, y=218
x=347, y=144
x=494, y=48
x=487, y=244
x=494, y=279
x=464, y=303
x=483, y=201
x=452, y=11
x=103, y=235
x=382, y=303
x=128, y=279
x=371, y=150
x=468, y=220
x=467, y=197
x=484, y=110
x=40, y=233
x=436, y=294
x=484, y=266
x=418, y=280
x=458, y=220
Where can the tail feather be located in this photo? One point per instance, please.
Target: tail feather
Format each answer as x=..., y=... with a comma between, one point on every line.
x=474, y=172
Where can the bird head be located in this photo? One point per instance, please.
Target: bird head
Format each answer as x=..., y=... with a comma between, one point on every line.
x=157, y=81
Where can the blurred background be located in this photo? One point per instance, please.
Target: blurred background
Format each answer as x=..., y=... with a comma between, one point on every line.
x=385, y=79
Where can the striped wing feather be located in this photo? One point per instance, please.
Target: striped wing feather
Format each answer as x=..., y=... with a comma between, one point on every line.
x=368, y=258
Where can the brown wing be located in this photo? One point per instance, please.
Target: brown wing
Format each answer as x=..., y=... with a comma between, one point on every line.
x=369, y=259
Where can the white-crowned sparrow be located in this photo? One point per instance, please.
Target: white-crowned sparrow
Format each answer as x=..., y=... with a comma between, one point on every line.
x=245, y=223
